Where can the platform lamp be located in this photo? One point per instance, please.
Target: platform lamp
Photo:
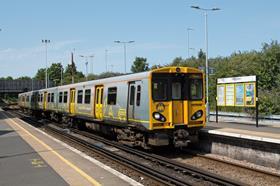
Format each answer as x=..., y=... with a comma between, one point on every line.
x=124, y=48
x=46, y=42
x=206, y=10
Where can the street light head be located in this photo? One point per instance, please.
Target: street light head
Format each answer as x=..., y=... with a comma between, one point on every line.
x=46, y=41
x=195, y=7
x=82, y=56
x=215, y=9
x=117, y=41
x=131, y=41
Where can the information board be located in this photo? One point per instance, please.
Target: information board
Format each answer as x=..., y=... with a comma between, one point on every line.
x=229, y=94
x=250, y=100
x=221, y=95
x=237, y=91
x=239, y=95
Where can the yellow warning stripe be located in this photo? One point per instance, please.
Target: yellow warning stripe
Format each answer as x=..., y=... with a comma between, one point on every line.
x=82, y=173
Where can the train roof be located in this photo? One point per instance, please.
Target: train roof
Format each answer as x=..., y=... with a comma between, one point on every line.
x=127, y=77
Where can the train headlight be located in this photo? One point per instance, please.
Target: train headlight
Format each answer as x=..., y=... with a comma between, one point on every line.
x=159, y=117
x=197, y=115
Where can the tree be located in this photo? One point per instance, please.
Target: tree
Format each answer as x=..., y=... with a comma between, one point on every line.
x=178, y=61
x=24, y=78
x=78, y=76
x=41, y=74
x=9, y=78
x=54, y=73
x=140, y=65
x=201, y=55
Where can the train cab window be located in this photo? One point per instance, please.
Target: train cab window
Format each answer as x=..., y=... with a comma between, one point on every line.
x=196, y=89
x=80, y=96
x=27, y=99
x=138, y=96
x=112, y=96
x=160, y=90
x=49, y=97
x=52, y=97
x=42, y=97
x=132, y=95
x=60, y=97
x=176, y=90
x=65, y=97
x=87, y=96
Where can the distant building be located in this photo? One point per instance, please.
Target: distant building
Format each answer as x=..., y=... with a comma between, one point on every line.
x=14, y=87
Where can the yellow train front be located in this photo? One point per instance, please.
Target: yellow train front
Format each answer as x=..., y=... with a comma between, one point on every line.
x=177, y=104
x=165, y=106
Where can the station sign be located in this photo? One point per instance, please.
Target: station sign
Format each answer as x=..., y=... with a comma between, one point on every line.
x=236, y=91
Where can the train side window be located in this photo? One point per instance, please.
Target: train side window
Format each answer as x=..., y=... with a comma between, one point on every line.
x=27, y=99
x=112, y=96
x=80, y=96
x=101, y=96
x=60, y=97
x=65, y=97
x=49, y=97
x=97, y=96
x=87, y=96
x=42, y=97
x=52, y=97
x=132, y=95
x=138, y=96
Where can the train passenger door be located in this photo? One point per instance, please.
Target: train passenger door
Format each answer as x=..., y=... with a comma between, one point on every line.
x=72, y=101
x=45, y=100
x=134, y=95
x=99, y=102
x=177, y=103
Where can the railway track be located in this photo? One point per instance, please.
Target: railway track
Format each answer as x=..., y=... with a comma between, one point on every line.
x=156, y=167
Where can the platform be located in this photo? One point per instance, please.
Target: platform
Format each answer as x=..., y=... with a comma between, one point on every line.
x=265, y=133
x=29, y=156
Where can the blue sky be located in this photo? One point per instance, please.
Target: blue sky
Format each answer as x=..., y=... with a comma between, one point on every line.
x=159, y=28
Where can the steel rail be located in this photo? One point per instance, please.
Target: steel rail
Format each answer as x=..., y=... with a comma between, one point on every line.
x=150, y=172
x=214, y=178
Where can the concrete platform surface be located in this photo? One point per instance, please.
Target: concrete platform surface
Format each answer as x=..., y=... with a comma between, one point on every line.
x=29, y=156
x=248, y=131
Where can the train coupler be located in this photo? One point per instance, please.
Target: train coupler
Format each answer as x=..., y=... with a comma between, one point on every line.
x=181, y=138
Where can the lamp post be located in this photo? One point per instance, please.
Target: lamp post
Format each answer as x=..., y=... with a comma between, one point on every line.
x=61, y=75
x=189, y=29
x=86, y=63
x=124, y=47
x=206, y=10
x=106, y=60
x=46, y=41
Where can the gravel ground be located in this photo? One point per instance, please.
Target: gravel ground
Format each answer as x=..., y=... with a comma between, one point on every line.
x=246, y=176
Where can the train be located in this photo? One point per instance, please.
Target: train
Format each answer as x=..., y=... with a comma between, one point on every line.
x=160, y=107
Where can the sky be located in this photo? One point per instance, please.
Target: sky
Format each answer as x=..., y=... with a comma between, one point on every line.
x=158, y=27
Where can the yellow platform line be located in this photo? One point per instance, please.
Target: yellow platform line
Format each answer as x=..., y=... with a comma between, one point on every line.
x=82, y=173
